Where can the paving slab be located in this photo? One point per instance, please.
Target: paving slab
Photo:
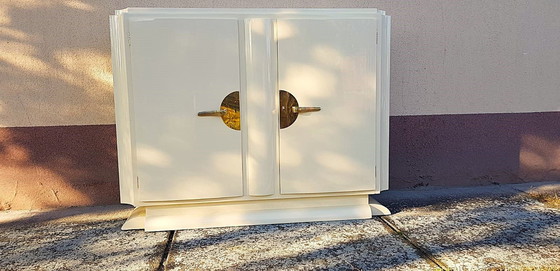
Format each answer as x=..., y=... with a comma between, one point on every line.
x=338, y=245
x=477, y=228
x=397, y=200
x=76, y=239
x=497, y=227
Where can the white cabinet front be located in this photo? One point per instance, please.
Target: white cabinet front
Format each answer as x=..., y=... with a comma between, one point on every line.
x=229, y=117
x=331, y=64
x=179, y=67
x=214, y=105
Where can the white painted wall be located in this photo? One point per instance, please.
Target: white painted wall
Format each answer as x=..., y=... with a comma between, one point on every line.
x=448, y=57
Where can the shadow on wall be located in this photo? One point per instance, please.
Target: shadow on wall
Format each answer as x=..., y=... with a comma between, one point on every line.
x=55, y=64
x=477, y=149
x=51, y=167
x=55, y=71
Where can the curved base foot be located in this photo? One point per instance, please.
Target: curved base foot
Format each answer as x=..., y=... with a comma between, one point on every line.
x=136, y=220
x=377, y=209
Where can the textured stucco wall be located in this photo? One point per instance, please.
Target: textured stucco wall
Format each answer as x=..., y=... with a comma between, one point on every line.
x=456, y=57
x=447, y=56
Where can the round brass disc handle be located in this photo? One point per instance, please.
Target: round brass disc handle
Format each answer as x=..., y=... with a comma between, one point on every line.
x=290, y=109
x=229, y=111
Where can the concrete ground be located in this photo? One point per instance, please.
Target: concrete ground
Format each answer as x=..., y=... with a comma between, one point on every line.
x=498, y=227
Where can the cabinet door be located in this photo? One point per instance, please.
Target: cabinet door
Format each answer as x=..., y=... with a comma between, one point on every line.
x=328, y=63
x=180, y=67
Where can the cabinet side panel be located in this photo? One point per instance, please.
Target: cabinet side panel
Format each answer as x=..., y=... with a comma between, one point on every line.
x=122, y=118
x=383, y=160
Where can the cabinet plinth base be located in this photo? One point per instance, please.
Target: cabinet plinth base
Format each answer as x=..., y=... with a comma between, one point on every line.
x=208, y=215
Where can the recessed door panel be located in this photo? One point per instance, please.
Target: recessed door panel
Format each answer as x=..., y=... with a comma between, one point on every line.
x=180, y=67
x=331, y=65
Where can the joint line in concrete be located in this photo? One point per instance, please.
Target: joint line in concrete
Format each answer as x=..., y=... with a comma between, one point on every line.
x=423, y=252
x=165, y=255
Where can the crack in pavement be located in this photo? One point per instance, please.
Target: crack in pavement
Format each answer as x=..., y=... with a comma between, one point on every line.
x=423, y=252
x=165, y=255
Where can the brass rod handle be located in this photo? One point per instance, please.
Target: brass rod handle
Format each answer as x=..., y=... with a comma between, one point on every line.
x=213, y=113
x=297, y=109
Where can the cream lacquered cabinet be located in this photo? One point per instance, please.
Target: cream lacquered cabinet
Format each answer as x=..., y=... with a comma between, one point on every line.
x=250, y=116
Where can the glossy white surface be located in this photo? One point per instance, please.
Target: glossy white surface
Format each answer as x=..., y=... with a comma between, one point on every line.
x=171, y=64
x=180, y=67
x=169, y=217
x=122, y=112
x=261, y=116
x=382, y=140
x=331, y=64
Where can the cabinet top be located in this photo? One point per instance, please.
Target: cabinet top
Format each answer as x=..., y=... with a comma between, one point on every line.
x=265, y=12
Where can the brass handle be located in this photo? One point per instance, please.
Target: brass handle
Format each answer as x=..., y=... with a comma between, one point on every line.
x=213, y=113
x=229, y=111
x=297, y=109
